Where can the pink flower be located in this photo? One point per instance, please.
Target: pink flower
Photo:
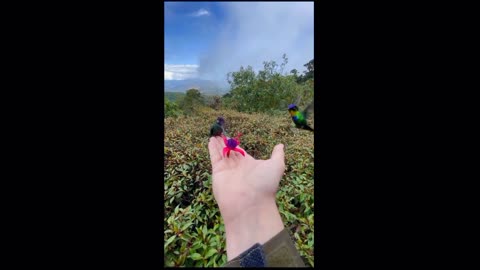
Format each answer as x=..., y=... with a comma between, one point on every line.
x=231, y=145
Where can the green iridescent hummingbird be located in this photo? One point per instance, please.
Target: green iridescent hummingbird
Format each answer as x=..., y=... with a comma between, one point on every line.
x=218, y=127
x=300, y=118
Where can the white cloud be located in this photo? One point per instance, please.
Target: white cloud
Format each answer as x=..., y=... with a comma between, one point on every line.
x=180, y=72
x=255, y=32
x=201, y=12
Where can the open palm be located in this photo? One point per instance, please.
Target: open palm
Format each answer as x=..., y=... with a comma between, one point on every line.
x=242, y=182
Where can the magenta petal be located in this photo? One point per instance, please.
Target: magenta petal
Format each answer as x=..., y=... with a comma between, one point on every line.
x=240, y=151
x=225, y=150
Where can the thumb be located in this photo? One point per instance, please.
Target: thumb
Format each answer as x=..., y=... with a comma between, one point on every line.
x=277, y=154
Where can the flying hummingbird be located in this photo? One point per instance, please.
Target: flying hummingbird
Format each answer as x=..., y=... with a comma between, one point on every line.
x=218, y=127
x=300, y=118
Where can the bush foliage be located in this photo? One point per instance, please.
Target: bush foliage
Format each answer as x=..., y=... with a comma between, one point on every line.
x=171, y=109
x=270, y=89
x=194, y=229
x=192, y=100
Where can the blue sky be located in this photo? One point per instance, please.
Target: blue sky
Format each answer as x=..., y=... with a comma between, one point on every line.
x=209, y=39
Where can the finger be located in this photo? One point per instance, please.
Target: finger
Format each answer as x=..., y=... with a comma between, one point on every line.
x=220, y=142
x=278, y=154
x=215, y=150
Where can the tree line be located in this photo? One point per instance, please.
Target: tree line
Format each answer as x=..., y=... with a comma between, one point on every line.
x=270, y=89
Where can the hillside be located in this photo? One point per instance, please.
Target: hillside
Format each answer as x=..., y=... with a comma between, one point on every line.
x=194, y=230
x=205, y=86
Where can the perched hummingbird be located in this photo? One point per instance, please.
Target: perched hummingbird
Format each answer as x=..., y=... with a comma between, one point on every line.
x=300, y=118
x=218, y=127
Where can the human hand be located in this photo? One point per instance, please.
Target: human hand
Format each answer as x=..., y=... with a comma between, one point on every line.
x=245, y=189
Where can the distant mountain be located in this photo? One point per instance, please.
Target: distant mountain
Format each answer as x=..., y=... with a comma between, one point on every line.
x=205, y=86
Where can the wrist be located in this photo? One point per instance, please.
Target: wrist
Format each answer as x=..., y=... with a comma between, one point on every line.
x=256, y=224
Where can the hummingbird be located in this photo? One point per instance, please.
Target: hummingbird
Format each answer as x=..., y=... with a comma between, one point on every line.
x=218, y=127
x=300, y=118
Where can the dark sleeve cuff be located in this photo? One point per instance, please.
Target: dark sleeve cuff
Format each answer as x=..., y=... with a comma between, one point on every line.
x=280, y=251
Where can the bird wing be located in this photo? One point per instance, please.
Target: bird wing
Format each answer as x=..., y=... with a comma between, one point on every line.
x=212, y=130
x=308, y=110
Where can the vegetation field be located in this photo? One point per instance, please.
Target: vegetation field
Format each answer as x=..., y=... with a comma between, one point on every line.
x=194, y=230
x=256, y=106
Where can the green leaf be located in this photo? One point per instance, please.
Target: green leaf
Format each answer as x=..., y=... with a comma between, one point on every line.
x=311, y=262
x=170, y=240
x=184, y=227
x=170, y=264
x=204, y=231
x=183, y=257
x=210, y=253
x=196, y=256
x=195, y=246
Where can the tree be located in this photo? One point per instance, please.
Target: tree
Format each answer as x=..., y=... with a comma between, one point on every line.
x=294, y=72
x=214, y=102
x=295, y=75
x=217, y=102
x=269, y=89
x=308, y=74
x=192, y=100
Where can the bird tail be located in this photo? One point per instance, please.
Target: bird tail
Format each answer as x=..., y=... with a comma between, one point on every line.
x=308, y=128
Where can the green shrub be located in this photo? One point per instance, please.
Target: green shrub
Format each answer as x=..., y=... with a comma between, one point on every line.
x=171, y=109
x=192, y=100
